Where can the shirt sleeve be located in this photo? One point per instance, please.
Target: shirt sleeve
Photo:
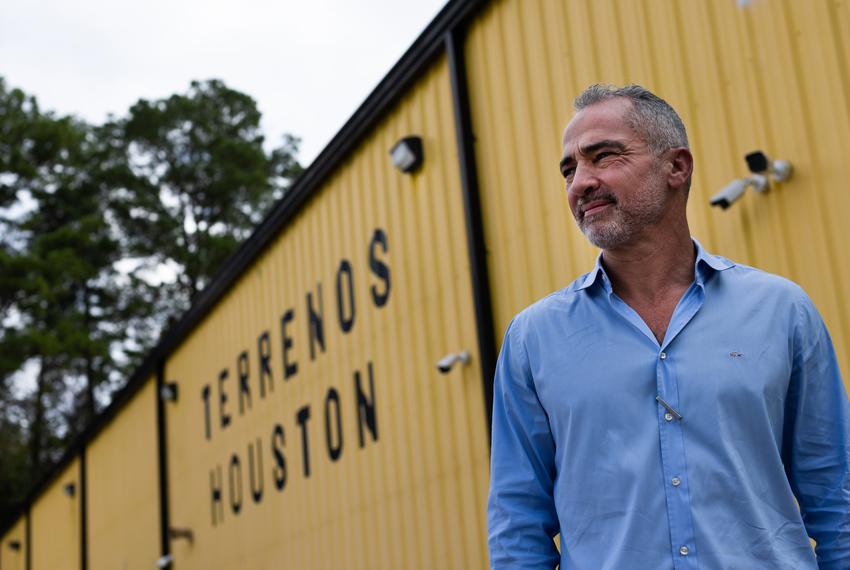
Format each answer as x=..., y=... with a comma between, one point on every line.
x=818, y=441
x=521, y=513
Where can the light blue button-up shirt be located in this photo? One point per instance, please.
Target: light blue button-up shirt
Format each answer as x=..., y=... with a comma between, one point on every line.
x=688, y=454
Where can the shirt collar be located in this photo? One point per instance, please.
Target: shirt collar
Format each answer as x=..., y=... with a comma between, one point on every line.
x=594, y=274
x=704, y=266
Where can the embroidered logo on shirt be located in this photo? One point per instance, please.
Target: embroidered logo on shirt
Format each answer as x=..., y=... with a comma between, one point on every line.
x=734, y=354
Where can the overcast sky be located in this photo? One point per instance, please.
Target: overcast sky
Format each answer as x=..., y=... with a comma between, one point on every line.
x=308, y=63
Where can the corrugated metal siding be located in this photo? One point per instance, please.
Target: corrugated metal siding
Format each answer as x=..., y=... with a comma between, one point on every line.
x=123, y=488
x=768, y=75
x=55, y=523
x=415, y=498
x=14, y=559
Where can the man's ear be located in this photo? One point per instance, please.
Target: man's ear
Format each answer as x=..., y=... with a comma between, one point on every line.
x=682, y=166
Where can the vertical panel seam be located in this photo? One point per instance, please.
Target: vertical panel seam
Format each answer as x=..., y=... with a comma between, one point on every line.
x=162, y=456
x=28, y=553
x=84, y=553
x=472, y=209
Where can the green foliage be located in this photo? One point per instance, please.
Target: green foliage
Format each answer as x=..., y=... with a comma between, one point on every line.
x=58, y=288
x=177, y=183
x=202, y=180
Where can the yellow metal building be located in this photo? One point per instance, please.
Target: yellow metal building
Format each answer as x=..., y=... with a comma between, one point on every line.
x=296, y=418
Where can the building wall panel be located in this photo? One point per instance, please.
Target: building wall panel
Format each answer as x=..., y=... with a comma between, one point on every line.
x=55, y=523
x=13, y=548
x=122, y=471
x=770, y=75
x=414, y=494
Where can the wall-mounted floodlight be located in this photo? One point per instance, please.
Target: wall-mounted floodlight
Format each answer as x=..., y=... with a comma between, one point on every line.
x=168, y=392
x=763, y=169
x=407, y=154
x=15, y=545
x=446, y=363
x=70, y=489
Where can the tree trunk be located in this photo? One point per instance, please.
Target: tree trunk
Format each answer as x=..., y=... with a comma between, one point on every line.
x=37, y=427
x=91, y=406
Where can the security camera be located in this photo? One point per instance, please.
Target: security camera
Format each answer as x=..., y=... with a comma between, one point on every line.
x=735, y=189
x=445, y=364
x=729, y=194
x=759, y=163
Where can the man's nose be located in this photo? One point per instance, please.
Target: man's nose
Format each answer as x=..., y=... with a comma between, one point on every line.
x=584, y=181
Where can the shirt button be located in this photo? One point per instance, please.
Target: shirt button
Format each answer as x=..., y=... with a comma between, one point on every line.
x=684, y=550
x=668, y=416
x=676, y=481
x=663, y=356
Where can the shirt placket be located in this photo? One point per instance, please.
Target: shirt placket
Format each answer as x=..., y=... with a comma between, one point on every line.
x=670, y=424
x=674, y=465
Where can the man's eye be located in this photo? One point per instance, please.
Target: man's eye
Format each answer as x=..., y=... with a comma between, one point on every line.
x=568, y=173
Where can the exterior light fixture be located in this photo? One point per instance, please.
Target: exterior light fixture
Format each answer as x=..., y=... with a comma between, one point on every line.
x=164, y=561
x=763, y=170
x=70, y=489
x=407, y=154
x=168, y=392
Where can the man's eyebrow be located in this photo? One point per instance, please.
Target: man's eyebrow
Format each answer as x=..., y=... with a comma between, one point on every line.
x=591, y=148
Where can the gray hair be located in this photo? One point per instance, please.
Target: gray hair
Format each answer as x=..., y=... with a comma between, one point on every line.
x=651, y=117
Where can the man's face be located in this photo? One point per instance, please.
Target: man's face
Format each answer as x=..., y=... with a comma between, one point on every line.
x=615, y=184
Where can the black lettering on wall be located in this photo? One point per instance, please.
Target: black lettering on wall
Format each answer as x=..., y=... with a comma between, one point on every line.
x=255, y=475
x=303, y=417
x=366, y=407
x=333, y=424
x=234, y=473
x=379, y=268
x=244, y=388
x=345, y=283
x=205, y=396
x=222, y=399
x=290, y=368
x=215, y=491
x=279, y=472
x=264, y=349
x=316, y=323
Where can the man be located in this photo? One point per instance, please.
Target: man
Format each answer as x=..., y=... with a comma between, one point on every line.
x=669, y=409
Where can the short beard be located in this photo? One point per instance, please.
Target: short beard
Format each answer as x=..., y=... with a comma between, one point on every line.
x=623, y=224
x=604, y=235
x=610, y=234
